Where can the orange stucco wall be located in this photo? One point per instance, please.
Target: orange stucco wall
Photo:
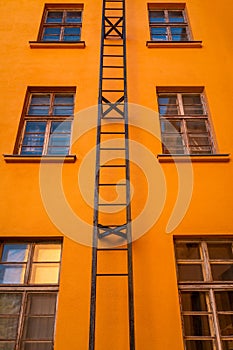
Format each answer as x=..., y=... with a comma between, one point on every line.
x=23, y=212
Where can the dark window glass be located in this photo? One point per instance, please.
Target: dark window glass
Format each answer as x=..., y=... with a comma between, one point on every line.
x=176, y=16
x=157, y=17
x=189, y=272
x=227, y=344
x=73, y=17
x=187, y=251
x=194, y=301
x=54, y=17
x=224, y=300
x=179, y=34
x=15, y=252
x=222, y=272
x=170, y=126
x=220, y=250
x=196, y=325
x=226, y=324
x=199, y=345
x=159, y=33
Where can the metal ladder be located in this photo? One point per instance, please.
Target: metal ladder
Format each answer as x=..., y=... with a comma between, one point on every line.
x=112, y=231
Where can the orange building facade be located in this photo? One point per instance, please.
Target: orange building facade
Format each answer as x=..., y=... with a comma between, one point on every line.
x=179, y=85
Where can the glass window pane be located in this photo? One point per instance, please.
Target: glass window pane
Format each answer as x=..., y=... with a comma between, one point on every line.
x=198, y=140
x=66, y=99
x=15, y=252
x=193, y=301
x=52, y=31
x=38, y=110
x=37, y=346
x=54, y=17
x=176, y=16
x=71, y=38
x=196, y=126
x=51, y=38
x=60, y=151
x=188, y=272
x=10, y=303
x=187, y=251
x=59, y=140
x=35, y=127
x=33, y=140
x=61, y=127
x=73, y=17
x=199, y=345
x=38, y=328
x=157, y=16
x=159, y=33
x=200, y=150
x=72, y=31
x=224, y=300
x=220, y=250
x=227, y=344
x=172, y=141
x=7, y=345
x=32, y=150
x=41, y=304
x=8, y=328
x=12, y=274
x=226, y=324
x=179, y=34
x=222, y=272
x=170, y=126
x=47, y=252
x=63, y=110
x=196, y=325
x=168, y=110
x=40, y=99
x=44, y=273
x=168, y=100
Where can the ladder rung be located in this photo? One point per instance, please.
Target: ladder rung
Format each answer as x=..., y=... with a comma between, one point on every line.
x=113, y=55
x=111, y=249
x=113, y=45
x=113, y=66
x=113, y=118
x=112, y=132
x=112, y=148
x=112, y=184
x=113, y=90
x=113, y=8
x=111, y=274
x=113, y=166
x=113, y=78
x=112, y=205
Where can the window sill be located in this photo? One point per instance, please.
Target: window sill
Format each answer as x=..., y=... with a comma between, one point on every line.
x=173, y=44
x=16, y=158
x=200, y=158
x=56, y=45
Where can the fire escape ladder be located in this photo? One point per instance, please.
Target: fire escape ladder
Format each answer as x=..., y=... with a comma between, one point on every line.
x=111, y=231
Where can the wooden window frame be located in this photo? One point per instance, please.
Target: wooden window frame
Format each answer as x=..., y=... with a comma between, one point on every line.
x=27, y=289
x=47, y=118
x=64, y=8
x=183, y=118
x=167, y=24
x=208, y=286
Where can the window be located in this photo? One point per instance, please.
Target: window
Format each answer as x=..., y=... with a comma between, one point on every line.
x=45, y=127
x=61, y=23
x=205, y=280
x=29, y=277
x=184, y=123
x=168, y=24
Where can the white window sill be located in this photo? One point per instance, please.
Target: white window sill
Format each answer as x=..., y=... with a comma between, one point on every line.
x=17, y=158
x=200, y=158
x=57, y=45
x=173, y=44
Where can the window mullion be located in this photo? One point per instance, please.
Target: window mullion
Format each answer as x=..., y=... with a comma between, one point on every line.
x=46, y=139
x=29, y=263
x=215, y=320
x=207, y=270
x=21, y=322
